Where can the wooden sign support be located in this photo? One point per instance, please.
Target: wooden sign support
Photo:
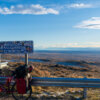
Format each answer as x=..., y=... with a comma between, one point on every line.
x=26, y=59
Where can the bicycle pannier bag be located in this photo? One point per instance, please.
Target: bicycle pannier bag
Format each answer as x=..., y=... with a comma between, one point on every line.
x=21, y=85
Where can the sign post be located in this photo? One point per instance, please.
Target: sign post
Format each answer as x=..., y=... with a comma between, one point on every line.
x=0, y=60
x=26, y=59
x=85, y=93
x=17, y=47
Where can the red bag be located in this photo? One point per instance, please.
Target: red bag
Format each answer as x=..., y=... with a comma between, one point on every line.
x=21, y=85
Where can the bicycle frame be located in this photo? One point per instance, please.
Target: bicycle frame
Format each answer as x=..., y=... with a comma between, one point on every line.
x=9, y=86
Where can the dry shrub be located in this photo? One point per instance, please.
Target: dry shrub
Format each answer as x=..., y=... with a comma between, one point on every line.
x=43, y=70
x=15, y=64
x=40, y=73
x=36, y=89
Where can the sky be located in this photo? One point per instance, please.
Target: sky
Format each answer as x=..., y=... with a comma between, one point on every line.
x=51, y=23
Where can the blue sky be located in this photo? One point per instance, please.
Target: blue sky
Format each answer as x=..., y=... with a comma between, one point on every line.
x=51, y=23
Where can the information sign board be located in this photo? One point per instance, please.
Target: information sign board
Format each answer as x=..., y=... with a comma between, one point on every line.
x=16, y=47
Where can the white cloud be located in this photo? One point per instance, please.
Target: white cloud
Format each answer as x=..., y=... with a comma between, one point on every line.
x=92, y=23
x=68, y=45
x=28, y=9
x=80, y=5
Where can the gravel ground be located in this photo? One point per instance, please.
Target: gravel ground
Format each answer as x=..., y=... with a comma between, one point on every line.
x=6, y=98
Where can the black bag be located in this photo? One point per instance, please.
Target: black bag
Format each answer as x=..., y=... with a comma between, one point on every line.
x=21, y=72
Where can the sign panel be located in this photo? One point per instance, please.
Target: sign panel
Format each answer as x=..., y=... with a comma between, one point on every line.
x=16, y=47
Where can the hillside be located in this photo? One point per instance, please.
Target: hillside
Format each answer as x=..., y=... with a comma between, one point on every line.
x=52, y=70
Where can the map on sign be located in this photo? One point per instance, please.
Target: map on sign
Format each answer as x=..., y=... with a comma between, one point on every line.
x=16, y=47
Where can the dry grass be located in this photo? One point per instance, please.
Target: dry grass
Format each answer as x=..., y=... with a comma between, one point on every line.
x=51, y=70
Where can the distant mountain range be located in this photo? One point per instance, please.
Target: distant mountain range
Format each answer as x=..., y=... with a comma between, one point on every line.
x=74, y=49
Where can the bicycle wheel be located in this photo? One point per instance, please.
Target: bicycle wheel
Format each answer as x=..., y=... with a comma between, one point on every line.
x=2, y=91
x=18, y=96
